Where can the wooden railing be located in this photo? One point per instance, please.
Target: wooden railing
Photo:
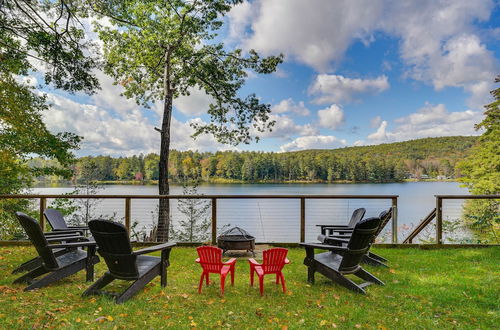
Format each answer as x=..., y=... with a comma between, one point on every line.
x=437, y=213
x=214, y=198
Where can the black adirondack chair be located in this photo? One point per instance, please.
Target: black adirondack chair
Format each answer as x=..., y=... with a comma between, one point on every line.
x=124, y=264
x=344, y=235
x=342, y=261
x=58, y=224
x=56, y=267
x=356, y=216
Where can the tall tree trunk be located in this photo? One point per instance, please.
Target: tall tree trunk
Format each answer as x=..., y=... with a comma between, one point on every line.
x=163, y=184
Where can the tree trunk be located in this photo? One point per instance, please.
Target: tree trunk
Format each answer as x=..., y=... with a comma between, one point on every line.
x=163, y=185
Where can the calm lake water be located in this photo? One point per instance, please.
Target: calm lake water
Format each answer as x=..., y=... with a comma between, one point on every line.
x=278, y=220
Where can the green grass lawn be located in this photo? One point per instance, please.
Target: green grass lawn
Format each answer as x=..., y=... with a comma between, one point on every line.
x=449, y=288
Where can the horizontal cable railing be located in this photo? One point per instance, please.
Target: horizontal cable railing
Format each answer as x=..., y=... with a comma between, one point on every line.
x=270, y=218
x=460, y=219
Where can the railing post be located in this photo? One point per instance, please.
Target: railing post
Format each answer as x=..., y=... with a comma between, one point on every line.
x=439, y=220
x=214, y=221
x=394, y=220
x=127, y=214
x=43, y=206
x=302, y=219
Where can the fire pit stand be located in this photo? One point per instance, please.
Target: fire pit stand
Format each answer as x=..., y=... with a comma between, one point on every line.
x=236, y=238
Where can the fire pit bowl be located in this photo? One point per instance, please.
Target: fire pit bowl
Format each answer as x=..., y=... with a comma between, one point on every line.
x=236, y=238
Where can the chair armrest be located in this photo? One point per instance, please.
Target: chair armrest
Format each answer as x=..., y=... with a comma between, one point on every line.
x=343, y=230
x=79, y=227
x=230, y=261
x=154, y=248
x=330, y=239
x=70, y=245
x=253, y=262
x=332, y=248
x=63, y=232
x=339, y=226
x=69, y=234
x=66, y=238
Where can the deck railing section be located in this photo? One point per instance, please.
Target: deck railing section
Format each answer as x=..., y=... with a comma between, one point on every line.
x=273, y=218
x=451, y=221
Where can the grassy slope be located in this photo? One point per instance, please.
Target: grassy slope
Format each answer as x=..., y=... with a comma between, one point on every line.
x=425, y=289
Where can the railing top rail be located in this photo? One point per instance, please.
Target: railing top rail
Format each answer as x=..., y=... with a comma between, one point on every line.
x=204, y=196
x=468, y=196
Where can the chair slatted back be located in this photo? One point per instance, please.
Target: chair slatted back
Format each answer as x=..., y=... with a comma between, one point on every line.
x=114, y=246
x=35, y=234
x=356, y=216
x=55, y=219
x=384, y=216
x=210, y=258
x=274, y=260
x=359, y=243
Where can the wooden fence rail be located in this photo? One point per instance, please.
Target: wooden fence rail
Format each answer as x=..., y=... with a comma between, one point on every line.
x=214, y=198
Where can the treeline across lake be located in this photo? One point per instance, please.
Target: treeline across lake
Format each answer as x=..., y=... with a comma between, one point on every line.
x=422, y=158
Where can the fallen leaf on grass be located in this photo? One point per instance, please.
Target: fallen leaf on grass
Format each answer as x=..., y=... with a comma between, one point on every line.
x=392, y=271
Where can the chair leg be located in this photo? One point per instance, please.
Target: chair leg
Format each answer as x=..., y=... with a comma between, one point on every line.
x=232, y=275
x=138, y=285
x=28, y=277
x=372, y=261
x=376, y=256
x=56, y=275
x=207, y=276
x=277, y=278
x=251, y=275
x=283, y=282
x=95, y=288
x=347, y=283
x=222, y=283
x=361, y=273
x=201, y=282
x=261, y=285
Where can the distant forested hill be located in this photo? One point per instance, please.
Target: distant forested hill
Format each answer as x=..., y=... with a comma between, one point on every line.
x=422, y=158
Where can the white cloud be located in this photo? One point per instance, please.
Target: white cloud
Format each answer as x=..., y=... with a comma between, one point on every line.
x=285, y=128
x=313, y=32
x=429, y=121
x=289, y=105
x=337, y=89
x=375, y=122
x=239, y=18
x=439, y=41
x=194, y=104
x=119, y=133
x=331, y=117
x=313, y=142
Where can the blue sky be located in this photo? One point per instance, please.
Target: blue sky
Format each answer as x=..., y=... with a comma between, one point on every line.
x=355, y=73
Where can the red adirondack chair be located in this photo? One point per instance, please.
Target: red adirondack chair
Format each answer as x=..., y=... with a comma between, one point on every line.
x=274, y=261
x=210, y=259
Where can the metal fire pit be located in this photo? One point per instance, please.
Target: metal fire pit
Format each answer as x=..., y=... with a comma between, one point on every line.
x=236, y=238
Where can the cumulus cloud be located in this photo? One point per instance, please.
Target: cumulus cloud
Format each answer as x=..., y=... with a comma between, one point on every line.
x=119, y=133
x=331, y=117
x=289, y=105
x=332, y=88
x=429, y=121
x=313, y=142
x=194, y=104
x=285, y=128
x=439, y=41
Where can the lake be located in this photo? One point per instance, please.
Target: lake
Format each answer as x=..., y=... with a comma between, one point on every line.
x=278, y=220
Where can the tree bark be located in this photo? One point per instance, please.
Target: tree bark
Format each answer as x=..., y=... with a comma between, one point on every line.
x=163, y=184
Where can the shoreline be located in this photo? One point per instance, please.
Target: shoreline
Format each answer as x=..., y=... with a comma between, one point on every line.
x=44, y=184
